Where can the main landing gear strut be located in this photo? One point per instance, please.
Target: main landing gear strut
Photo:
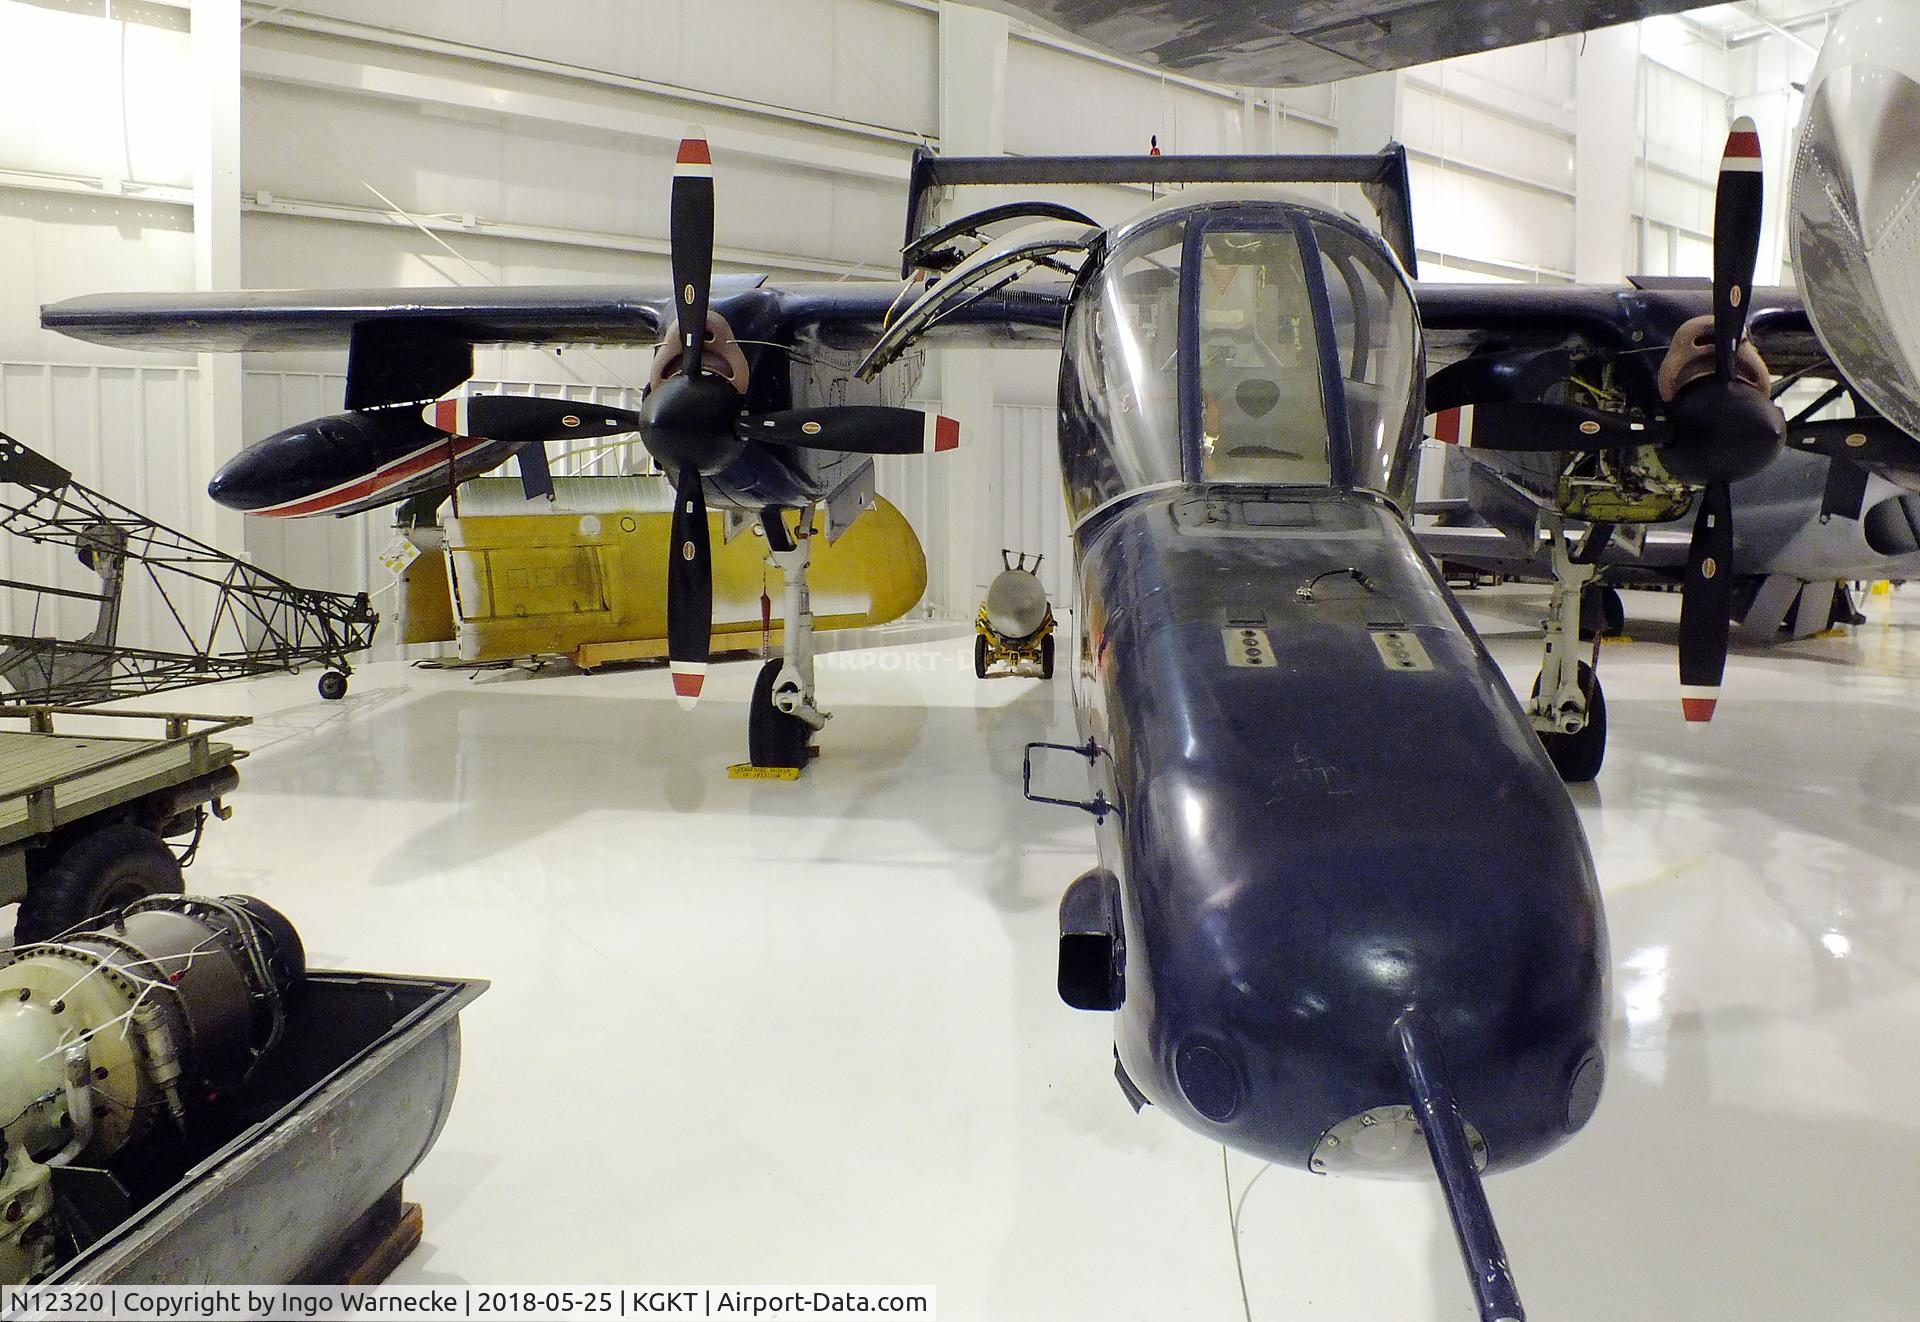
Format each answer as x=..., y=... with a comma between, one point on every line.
x=783, y=717
x=1568, y=709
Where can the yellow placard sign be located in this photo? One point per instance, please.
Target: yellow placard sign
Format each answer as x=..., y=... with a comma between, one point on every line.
x=748, y=771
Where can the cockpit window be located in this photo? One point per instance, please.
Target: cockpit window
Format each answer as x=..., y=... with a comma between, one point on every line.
x=1379, y=352
x=1276, y=346
x=1121, y=390
x=1262, y=418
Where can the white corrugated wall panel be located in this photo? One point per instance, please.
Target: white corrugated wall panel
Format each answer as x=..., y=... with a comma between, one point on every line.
x=120, y=431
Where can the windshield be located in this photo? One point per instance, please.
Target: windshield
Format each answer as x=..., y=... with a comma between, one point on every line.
x=1277, y=346
x=1120, y=376
x=1262, y=417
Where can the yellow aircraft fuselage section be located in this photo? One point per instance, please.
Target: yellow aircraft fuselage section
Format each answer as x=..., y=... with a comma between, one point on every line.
x=593, y=586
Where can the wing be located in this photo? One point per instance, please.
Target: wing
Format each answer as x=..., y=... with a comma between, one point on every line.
x=1637, y=319
x=1291, y=43
x=412, y=344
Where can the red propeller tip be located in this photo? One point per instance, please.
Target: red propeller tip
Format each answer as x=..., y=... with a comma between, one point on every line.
x=687, y=683
x=1743, y=147
x=1454, y=426
x=942, y=434
x=447, y=415
x=1698, y=708
x=693, y=159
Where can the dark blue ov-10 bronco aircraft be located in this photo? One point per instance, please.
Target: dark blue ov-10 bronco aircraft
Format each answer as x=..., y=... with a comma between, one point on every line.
x=1322, y=936
x=1345, y=919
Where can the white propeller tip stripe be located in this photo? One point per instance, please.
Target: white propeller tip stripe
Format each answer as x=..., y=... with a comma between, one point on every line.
x=689, y=677
x=447, y=415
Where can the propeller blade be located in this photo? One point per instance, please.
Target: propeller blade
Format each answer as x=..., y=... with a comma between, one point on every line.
x=1862, y=440
x=689, y=588
x=853, y=429
x=536, y=478
x=1845, y=493
x=690, y=236
x=527, y=419
x=1520, y=426
x=1706, y=605
x=1736, y=240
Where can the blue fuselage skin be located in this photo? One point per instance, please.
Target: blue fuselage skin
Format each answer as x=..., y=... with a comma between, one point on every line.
x=1307, y=850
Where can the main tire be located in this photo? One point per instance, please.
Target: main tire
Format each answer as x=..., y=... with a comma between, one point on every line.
x=1046, y=657
x=1601, y=609
x=333, y=686
x=1577, y=757
x=99, y=872
x=774, y=739
x=980, y=656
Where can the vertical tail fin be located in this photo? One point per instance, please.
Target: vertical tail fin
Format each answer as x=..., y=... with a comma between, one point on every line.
x=1431, y=1092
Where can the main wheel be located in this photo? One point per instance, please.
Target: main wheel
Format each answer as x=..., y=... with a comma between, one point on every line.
x=1602, y=609
x=99, y=872
x=333, y=686
x=774, y=739
x=980, y=656
x=1577, y=757
x=1046, y=657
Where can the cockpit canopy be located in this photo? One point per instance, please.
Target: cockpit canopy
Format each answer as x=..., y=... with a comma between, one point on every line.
x=1267, y=343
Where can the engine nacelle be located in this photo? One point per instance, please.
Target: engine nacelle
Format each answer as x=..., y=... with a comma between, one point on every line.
x=1855, y=221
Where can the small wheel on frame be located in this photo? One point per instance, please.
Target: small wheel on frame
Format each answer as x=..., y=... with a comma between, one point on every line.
x=333, y=685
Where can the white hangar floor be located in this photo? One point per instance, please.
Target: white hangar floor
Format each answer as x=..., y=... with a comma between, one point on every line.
x=807, y=1033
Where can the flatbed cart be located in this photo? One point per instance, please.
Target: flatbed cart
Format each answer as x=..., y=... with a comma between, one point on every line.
x=85, y=818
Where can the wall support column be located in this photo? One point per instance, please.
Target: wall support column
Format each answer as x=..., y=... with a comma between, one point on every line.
x=216, y=247
x=1606, y=142
x=973, y=79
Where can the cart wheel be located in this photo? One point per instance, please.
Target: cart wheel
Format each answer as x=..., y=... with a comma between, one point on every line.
x=980, y=655
x=333, y=686
x=102, y=871
x=1046, y=657
x=774, y=739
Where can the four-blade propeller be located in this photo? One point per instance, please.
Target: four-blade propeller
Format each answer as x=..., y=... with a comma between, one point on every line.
x=1724, y=423
x=1720, y=423
x=694, y=420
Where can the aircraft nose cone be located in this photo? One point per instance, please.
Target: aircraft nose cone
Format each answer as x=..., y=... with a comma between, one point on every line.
x=238, y=484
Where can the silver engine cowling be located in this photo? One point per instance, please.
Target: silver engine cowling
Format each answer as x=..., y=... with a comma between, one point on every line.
x=1855, y=219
